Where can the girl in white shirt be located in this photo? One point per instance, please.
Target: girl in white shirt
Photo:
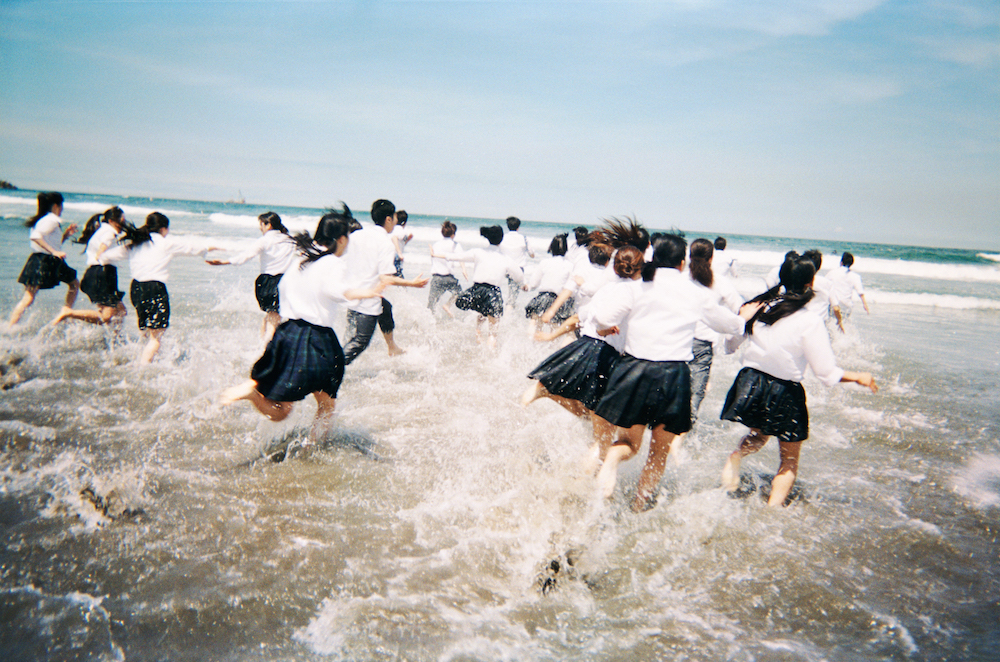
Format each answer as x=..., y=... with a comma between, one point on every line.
x=400, y=238
x=100, y=280
x=304, y=356
x=767, y=396
x=46, y=266
x=442, y=279
x=149, y=252
x=549, y=278
x=277, y=255
x=650, y=385
x=490, y=269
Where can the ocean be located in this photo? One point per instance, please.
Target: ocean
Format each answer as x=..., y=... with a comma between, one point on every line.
x=143, y=521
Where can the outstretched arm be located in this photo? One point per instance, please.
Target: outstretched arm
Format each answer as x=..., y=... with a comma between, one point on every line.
x=863, y=378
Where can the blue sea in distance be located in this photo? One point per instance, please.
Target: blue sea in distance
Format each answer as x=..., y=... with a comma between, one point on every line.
x=143, y=521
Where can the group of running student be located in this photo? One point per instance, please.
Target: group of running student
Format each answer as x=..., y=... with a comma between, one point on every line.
x=644, y=352
x=108, y=238
x=645, y=327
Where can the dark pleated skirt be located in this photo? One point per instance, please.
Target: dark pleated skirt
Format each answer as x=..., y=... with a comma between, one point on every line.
x=266, y=289
x=45, y=271
x=542, y=301
x=774, y=406
x=649, y=393
x=100, y=284
x=301, y=358
x=483, y=298
x=579, y=371
x=152, y=304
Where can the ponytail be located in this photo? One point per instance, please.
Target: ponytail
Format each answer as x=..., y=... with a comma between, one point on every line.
x=94, y=223
x=274, y=221
x=46, y=201
x=796, y=276
x=333, y=225
x=701, y=262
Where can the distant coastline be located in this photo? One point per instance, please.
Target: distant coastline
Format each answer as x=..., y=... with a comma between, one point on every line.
x=7, y=186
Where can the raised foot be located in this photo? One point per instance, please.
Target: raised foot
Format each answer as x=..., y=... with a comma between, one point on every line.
x=532, y=393
x=241, y=392
x=65, y=312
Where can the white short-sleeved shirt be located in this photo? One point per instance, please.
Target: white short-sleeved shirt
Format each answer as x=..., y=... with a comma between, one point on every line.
x=844, y=284
x=103, y=239
x=370, y=255
x=726, y=294
x=594, y=278
x=515, y=246
x=550, y=275
x=277, y=253
x=315, y=293
x=447, y=246
x=784, y=349
x=49, y=230
x=150, y=261
x=662, y=316
x=490, y=266
x=820, y=303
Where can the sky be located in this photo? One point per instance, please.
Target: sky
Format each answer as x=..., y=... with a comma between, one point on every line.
x=858, y=120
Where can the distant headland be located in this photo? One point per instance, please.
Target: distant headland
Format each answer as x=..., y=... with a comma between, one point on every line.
x=7, y=186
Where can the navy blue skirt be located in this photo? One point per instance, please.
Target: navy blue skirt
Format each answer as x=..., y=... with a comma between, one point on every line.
x=543, y=301
x=579, y=371
x=649, y=393
x=100, y=284
x=774, y=406
x=152, y=304
x=266, y=289
x=483, y=298
x=301, y=358
x=45, y=271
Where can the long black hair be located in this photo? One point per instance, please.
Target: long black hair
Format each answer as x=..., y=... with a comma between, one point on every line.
x=701, y=261
x=792, y=293
x=668, y=251
x=46, y=201
x=272, y=219
x=114, y=214
x=135, y=237
x=333, y=225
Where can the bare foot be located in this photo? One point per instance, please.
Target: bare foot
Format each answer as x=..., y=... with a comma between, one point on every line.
x=396, y=350
x=532, y=393
x=63, y=314
x=446, y=309
x=491, y=342
x=592, y=460
x=243, y=391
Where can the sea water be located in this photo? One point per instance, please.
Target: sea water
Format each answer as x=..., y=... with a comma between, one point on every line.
x=143, y=521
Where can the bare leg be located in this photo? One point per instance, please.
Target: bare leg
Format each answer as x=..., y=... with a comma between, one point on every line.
x=749, y=444
x=785, y=478
x=394, y=349
x=491, y=340
x=446, y=306
x=102, y=315
x=628, y=443
x=479, y=329
x=276, y=411
x=152, y=345
x=74, y=289
x=652, y=472
x=603, y=436
x=325, y=406
x=23, y=304
x=271, y=322
x=839, y=316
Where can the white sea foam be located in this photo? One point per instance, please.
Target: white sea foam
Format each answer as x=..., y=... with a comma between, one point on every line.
x=979, y=482
x=950, y=301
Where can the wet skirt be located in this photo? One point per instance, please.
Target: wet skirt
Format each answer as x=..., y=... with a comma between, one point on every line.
x=100, y=284
x=301, y=358
x=649, y=393
x=774, y=406
x=266, y=289
x=45, y=271
x=152, y=304
x=579, y=371
x=483, y=298
x=543, y=301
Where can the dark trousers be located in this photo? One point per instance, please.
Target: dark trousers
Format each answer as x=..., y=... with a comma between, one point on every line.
x=361, y=328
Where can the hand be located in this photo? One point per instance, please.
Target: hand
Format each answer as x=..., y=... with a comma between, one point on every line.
x=217, y=263
x=419, y=281
x=748, y=310
x=865, y=379
x=610, y=331
x=72, y=228
x=60, y=254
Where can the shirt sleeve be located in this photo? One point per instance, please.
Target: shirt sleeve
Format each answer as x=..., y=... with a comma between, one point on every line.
x=186, y=245
x=256, y=249
x=720, y=319
x=614, y=304
x=45, y=225
x=819, y=353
